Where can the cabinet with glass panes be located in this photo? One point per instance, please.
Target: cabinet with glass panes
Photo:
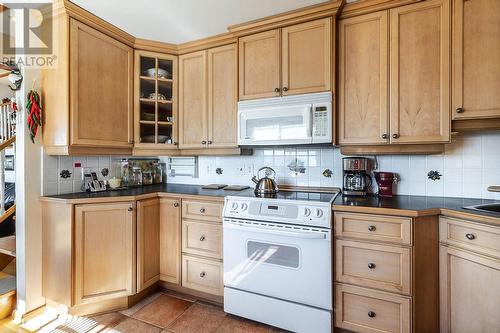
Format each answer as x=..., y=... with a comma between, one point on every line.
x=155, y=102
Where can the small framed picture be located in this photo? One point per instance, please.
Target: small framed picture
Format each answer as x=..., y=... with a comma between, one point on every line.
x=9, y=162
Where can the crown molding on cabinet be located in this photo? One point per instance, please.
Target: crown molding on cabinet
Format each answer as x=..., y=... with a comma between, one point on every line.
x=370, y=6
x=288, y=18
x=155, y=46
x=206, y=43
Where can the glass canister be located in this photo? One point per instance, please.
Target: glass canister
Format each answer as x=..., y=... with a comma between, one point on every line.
x=147, y=178
x=135, y=177
x=157, y=173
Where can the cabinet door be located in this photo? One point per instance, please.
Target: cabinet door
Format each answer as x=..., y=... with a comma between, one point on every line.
x=222, y=97
x=104, y=252
x=148, y=243
x=363, y=85
x=100, y=89
x=470, y=290
x=420, y=72
x=307, y=57
x=170, y=240
x=476, y=54
x=193, y=124
x=259, y=65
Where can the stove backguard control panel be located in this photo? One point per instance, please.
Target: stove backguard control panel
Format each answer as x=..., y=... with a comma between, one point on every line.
x=285, y=211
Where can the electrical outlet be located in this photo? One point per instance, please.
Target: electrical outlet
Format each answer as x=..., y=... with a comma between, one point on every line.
x=249, y=170
x=240, y=170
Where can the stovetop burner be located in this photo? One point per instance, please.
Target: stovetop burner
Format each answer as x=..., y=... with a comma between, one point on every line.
x=293, y=195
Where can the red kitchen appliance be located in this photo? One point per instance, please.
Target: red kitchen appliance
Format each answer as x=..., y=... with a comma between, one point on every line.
x=385, y=182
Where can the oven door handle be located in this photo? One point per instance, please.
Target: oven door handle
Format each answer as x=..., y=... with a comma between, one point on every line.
x=296, y=234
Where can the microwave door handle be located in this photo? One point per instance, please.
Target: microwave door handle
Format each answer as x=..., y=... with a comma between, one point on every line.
x=311, y=120
x=295, y=234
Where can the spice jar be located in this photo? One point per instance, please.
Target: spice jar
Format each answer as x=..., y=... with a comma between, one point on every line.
x=135, y=178
x=157, y=174
x=147, y=178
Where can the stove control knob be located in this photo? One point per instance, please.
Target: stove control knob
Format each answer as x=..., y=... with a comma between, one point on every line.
x=319, y=213
x=244, y=206
x=234, y=205
x=307, y=212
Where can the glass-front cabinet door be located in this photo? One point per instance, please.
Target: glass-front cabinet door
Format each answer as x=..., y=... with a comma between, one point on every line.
x=155, y=103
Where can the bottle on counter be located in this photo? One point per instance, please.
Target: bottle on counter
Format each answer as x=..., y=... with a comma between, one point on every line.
x=147, y=178
x=157, y=173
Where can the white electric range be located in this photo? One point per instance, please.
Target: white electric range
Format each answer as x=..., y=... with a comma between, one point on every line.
x=278, y=260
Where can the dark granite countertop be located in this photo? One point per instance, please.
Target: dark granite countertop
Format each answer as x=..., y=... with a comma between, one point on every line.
x=180, y=189
x=419, y=204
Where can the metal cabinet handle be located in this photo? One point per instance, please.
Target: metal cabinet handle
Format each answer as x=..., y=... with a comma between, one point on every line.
x=470, y=236
x=209, y=142
x=130, y=209
x=277, y=90
x=372, y=228
x=202, y=274
x=395, y=136
x=174, y=143
x=176, y=204
x=203, y=142
x=202, y=210
x=285, y=89
x=202, y=238
x=385, y=136
x=371, y=314
x=460, y=110
x=371, y=265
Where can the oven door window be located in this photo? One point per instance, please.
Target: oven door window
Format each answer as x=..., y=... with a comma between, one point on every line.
x=274, y=254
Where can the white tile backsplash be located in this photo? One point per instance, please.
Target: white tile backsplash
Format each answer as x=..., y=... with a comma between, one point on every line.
x=468, y=166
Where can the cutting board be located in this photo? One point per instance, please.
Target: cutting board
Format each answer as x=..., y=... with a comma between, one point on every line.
x=236, y=188
x=494, y=188
x=213, y=186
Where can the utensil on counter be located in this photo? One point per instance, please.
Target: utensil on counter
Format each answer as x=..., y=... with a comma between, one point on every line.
x=385, y=182
x=267, y=184
x=115, y=183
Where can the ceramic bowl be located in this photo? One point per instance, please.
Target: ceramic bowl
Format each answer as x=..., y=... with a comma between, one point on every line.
x=115, y=182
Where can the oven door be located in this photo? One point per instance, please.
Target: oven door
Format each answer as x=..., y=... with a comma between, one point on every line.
x=286, y=262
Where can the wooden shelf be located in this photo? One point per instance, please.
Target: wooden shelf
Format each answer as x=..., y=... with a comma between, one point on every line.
x=165, y=123
x=165, y=80
x=8, y=245
x=161, y=101
x=142, y=77
x=147, y=122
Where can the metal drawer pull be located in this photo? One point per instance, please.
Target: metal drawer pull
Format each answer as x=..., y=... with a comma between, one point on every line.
x=202, y=274
x=202, y=238
x=470, y=236
x=371, y=265
x=202, y=210
x=176, y=204
x=372, y=314
x=130, y=209
x=371, y=228
x=460, y=110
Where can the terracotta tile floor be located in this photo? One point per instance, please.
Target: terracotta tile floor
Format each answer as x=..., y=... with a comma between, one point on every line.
x=162, y=312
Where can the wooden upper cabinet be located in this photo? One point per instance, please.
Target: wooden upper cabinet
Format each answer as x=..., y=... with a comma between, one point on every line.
x=292, y=60
x=363, y=84
x=104, y=252
x=259, y=65
x=170, y=240
x=222, y=97
x=476, y=54
x=306, y=53
x=193, y=122
x=420, y=72
x=148, y=243
x=101, y=80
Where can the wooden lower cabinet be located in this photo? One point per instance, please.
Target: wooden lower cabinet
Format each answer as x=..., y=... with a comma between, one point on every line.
x=386, y=273
x=366, y=311
x=469, y=276
x=202, y=274
x=170, y=240
x=104, y=251
x=148, y=243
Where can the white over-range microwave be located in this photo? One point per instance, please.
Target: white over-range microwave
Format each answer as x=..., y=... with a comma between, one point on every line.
x=289, y=120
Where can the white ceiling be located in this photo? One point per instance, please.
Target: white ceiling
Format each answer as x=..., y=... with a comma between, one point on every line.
x=179, y=21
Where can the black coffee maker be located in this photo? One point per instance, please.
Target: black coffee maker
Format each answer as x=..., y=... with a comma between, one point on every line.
x=357, y=181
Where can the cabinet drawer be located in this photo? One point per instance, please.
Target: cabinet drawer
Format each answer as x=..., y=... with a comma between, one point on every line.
x=202, y=210
x=366, y=311
x=202, y=238
x=377, y=266
x=472, y=236
x=202, y=274
x=373, y=227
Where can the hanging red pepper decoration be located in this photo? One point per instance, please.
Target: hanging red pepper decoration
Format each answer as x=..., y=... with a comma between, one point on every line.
x=34, y=111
